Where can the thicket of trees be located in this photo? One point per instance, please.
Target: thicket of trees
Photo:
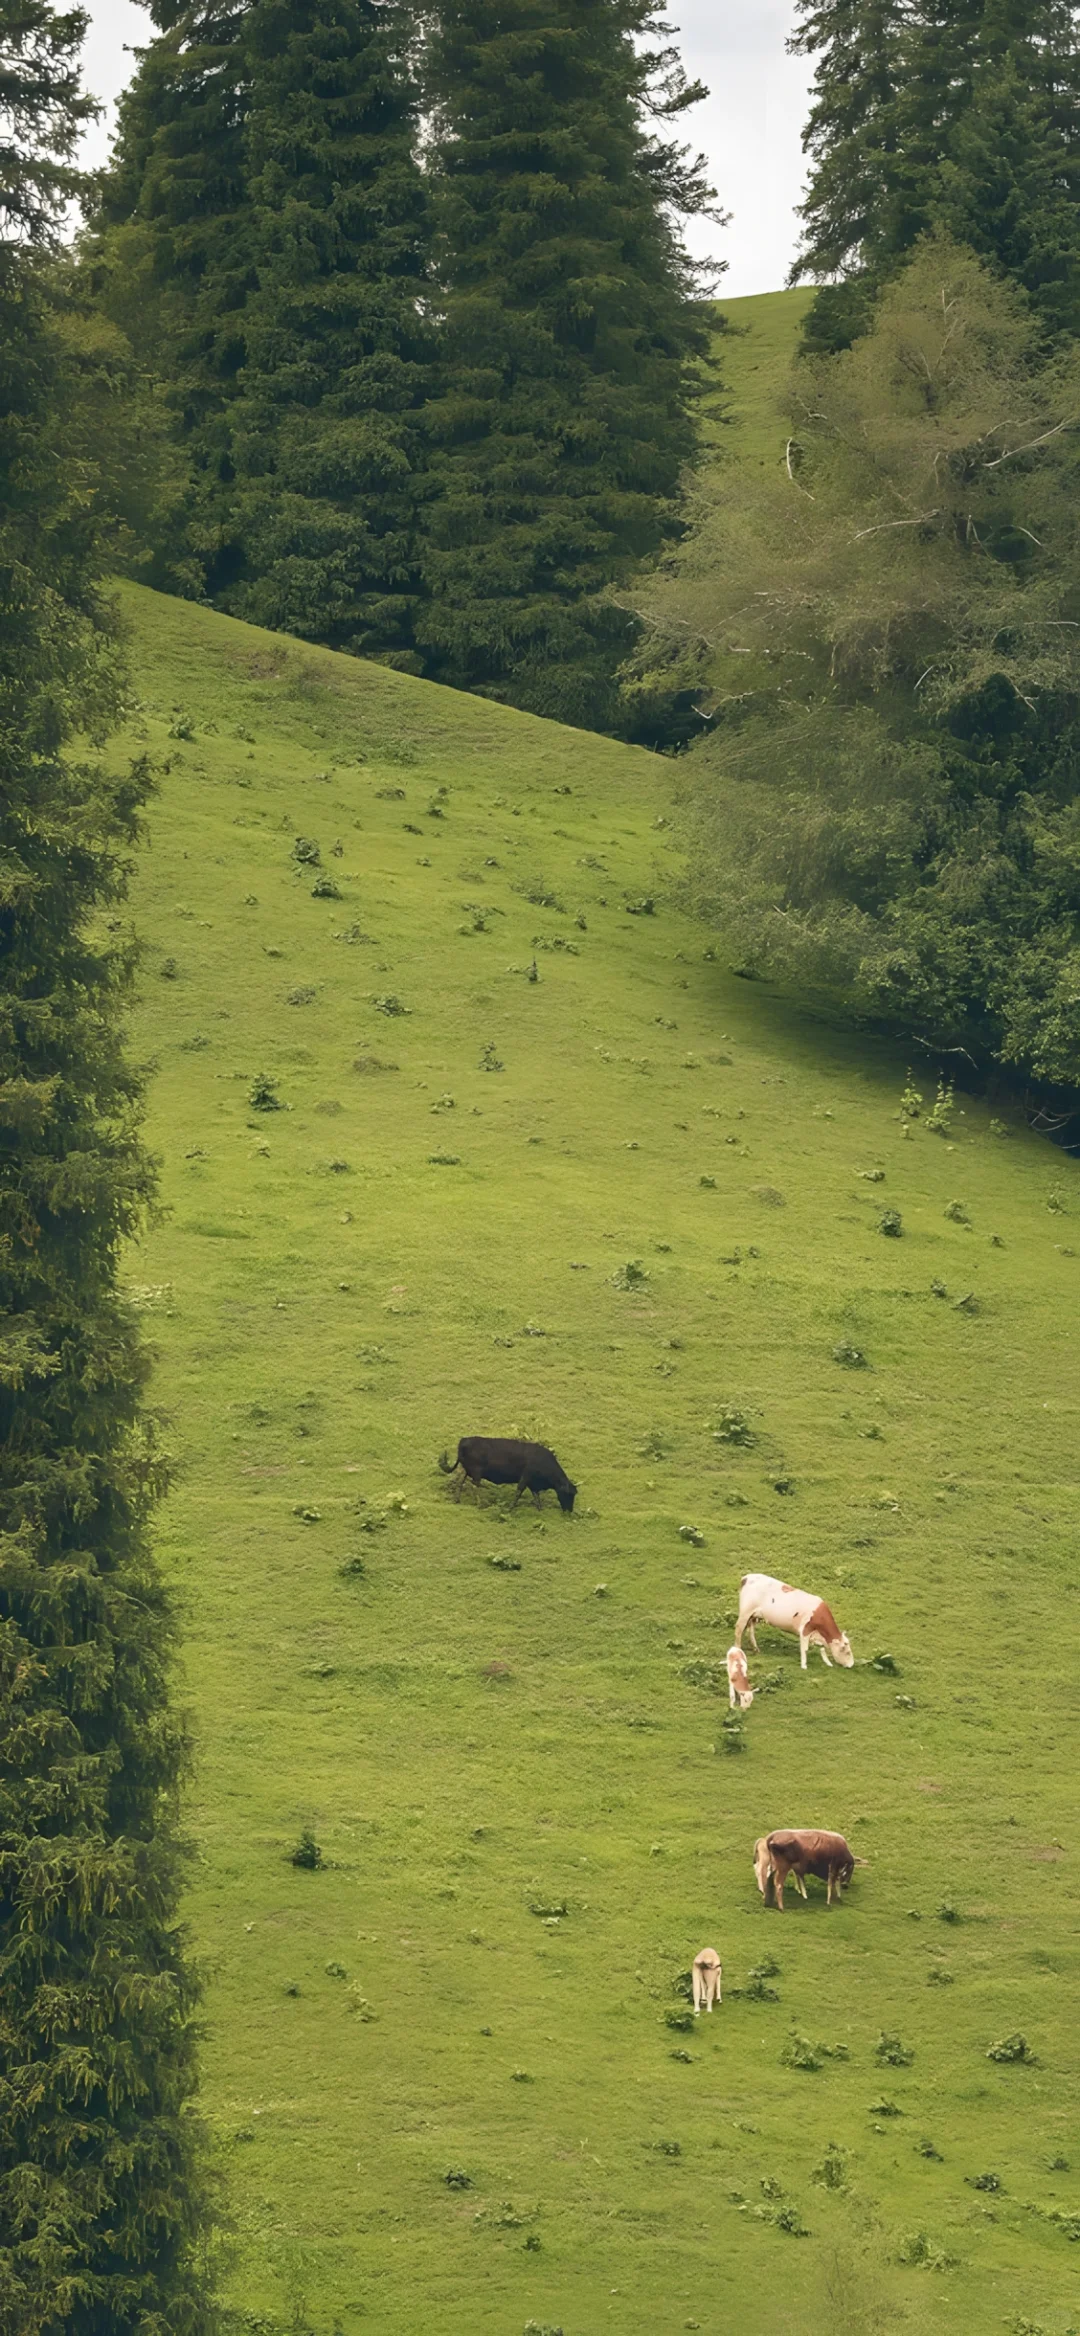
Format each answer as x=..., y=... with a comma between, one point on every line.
x=952, y=116
x=101, y=2199
x=887, y=808
x=885, y=629
x=414, y=286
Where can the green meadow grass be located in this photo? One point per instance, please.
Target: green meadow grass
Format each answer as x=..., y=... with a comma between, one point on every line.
x=754, y=357
x=486, y=1718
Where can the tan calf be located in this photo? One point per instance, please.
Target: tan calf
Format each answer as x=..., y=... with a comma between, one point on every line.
x=707, y=1976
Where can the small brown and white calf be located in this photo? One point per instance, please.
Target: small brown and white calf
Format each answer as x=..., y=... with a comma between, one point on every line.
x=791, y=1855
x=739, y=1689
x=707, y=1975
x=805, y=1617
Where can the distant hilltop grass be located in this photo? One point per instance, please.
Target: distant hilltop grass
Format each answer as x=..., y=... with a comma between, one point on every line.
x=464, y=1128
x=753, y=358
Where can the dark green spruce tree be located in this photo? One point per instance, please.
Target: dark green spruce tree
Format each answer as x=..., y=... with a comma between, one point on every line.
x=851, y=138
x=101, y=2205
x=572, y=341
x=174, y=264
x=967, y=124
x=324, y=434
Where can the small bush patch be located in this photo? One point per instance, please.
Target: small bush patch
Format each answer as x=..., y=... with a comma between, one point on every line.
x=307, y=1853
x=1014, y=2048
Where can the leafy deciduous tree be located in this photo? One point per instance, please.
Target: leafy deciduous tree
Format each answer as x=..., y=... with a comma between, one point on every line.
x=888, y=806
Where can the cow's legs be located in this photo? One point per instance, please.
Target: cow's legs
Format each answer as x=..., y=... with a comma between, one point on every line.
x=518, y=1494
x=753, y=1634
x=825, y=1658
x=803, y=1647
x=696, y=1984
x=779, y=1878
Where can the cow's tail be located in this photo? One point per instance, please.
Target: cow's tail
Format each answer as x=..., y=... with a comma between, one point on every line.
x=446, y=1464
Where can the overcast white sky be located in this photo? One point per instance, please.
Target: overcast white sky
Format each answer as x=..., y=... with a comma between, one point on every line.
x=749, y=127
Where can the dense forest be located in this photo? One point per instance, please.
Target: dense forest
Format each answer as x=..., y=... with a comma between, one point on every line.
x=883, y=626
x=416, y=303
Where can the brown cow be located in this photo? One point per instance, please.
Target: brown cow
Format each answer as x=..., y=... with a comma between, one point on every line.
x=784, y=1856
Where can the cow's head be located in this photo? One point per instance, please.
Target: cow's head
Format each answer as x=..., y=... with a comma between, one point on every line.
x=840, y=1650
x=762, y=1864
x=567, y=1497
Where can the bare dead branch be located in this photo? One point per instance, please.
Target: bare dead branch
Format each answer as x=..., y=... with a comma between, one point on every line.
x=1011, y=452
x=922, y=520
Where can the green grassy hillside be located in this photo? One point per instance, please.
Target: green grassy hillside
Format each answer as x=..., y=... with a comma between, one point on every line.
x=611, y=1207
x=754, y=357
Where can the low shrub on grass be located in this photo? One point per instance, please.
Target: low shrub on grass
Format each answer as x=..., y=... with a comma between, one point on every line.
x=889, y=2052
x=1012, y=2049
x=799, y=2052
x=939, y=1120
x=263, y=1094
x=757, y=1988
x=924, y=2252
x=733, y=1427
x=307, y=1852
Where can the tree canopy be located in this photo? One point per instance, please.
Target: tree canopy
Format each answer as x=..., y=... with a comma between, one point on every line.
x=954, y=115
x=888, y=805
x=571, y=339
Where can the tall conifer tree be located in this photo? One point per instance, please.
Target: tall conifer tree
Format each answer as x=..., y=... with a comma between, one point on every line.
x=324, y=434
x=100, y=2205
x=953, y=115
x=571, y=341
x=176, y=260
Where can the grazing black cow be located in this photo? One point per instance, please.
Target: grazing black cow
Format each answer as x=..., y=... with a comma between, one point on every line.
x=510, y=1460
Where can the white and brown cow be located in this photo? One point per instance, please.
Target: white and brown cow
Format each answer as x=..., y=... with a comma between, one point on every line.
x=739, y=1689
x=707, y=1977
x=799, y=1612
x=792, y=1854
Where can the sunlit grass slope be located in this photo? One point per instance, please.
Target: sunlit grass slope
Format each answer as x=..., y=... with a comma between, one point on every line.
x=754, y=358
x=506, y=1732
